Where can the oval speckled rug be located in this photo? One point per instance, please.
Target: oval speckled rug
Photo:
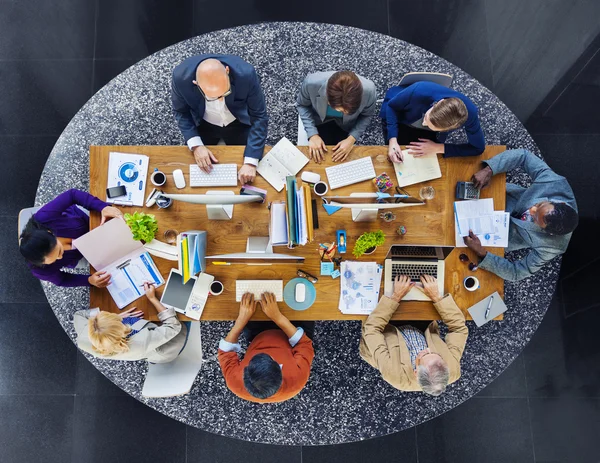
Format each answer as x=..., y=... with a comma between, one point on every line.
x=345, y=399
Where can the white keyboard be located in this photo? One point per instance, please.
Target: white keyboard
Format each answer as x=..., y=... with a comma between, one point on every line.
x=350, y=172
x=257, y=287
x=221, y=175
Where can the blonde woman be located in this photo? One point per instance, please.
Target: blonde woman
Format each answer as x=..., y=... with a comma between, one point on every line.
x=127, y=336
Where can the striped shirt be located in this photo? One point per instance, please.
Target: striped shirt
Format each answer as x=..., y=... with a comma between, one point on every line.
x=415, y=341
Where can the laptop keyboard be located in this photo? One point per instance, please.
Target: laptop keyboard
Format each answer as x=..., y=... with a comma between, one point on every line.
x=414, y=271
x=413, y=251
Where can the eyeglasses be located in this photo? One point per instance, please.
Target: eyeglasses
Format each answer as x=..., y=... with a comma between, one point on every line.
x=464, y=258
x=308, y=276
x=227, y=93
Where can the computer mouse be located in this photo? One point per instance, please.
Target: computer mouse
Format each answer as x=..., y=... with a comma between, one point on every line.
x=178, y=178
x=300, y=292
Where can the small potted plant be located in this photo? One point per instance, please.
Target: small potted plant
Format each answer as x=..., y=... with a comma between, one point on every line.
x=368, y=242
x=142, y=225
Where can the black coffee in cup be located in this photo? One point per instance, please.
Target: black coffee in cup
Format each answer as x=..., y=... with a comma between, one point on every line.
x=159, y=178
x=469, y=282
x=216, y=288
x=320, y=188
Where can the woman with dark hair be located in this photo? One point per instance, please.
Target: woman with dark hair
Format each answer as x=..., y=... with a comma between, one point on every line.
x=47, y=240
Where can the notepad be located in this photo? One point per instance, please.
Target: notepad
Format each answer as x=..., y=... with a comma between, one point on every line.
x=417, y=169
x=283, y=160
x=478, y=310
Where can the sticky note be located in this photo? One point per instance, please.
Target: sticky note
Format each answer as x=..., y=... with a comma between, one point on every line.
x=326, y=268
x=335, y=274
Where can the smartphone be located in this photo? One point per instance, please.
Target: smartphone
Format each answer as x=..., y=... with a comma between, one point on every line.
x=116, y=191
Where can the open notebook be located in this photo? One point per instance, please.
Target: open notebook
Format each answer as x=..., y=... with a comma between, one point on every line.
x=417, y=169
x=283, y=160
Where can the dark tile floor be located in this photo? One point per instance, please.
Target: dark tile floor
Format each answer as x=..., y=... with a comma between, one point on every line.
x=55, y=407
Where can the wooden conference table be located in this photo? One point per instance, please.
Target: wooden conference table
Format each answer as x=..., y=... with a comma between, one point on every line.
x=430, y=224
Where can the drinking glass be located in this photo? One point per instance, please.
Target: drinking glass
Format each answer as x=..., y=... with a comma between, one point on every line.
x=427, y=192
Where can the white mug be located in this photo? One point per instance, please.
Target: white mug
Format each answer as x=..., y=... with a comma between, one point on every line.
x=216, y=288
x=474, y=286
x=158, y=173
x=320, y=186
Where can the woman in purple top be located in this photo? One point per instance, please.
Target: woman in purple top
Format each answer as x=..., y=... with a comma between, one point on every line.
x=46, y=241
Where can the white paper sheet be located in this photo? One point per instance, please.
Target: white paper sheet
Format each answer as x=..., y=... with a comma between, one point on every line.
x=128, y=277
x=497, y=239
x=129, y=170
x=279, y=231
x=360, y=284
x=466, y=211
x=417, y=169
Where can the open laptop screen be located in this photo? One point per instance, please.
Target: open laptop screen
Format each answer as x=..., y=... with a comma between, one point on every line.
x=424, y=252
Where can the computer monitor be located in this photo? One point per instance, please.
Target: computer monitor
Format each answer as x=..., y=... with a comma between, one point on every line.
x=219, y=204
x=365, y=206
x=258, y=252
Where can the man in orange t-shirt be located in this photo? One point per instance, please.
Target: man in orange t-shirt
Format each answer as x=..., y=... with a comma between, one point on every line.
x=277, y=362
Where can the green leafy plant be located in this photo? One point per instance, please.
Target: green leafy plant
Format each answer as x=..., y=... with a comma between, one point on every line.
x=142, y=225
x=367, y=241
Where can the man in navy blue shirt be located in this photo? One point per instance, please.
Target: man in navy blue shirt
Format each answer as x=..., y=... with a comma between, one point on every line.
x=219, y=97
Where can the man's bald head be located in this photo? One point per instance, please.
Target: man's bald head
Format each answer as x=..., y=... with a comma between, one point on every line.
x=212, y=77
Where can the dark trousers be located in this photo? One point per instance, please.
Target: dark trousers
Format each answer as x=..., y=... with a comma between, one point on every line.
x=235, y=133
x=331, y=133
x=253, y=328
x=406, y=134
x=421, y=325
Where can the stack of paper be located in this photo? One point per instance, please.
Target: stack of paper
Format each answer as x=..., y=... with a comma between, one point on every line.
x=192, y=253
x=283, y=160
x=491, y=227
x=360, y=283
x=417, y=169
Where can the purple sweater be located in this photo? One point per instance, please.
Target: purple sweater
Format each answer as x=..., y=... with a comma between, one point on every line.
x=66, y=220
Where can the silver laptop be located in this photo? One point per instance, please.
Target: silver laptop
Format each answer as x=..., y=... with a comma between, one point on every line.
x=415, y=261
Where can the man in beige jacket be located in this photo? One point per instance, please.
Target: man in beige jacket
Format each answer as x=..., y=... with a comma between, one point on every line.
x=408, y=359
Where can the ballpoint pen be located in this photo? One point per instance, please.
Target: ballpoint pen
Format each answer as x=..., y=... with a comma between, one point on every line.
x=487, y=311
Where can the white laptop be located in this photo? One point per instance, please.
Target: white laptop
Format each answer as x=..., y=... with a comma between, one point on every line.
x=415, y=261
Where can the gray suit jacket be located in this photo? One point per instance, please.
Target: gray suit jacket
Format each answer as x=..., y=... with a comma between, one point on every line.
x=155, y=343
x=312, y=105
x=546, y=186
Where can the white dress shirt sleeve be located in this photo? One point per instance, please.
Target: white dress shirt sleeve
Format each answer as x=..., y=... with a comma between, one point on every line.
x=296, y=337
x=227, y=346
x=252, y=161
x=193, y=142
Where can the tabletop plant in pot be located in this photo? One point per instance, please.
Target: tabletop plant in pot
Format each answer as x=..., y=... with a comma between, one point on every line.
x=142, y=225
x=368, y=242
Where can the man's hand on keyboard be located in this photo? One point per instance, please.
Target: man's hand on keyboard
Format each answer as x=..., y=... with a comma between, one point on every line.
x=402, y=285
x=429, y=286
x=204, y=158
x=269, y=306
x=343, y=148
x=247, y=308
x=247, y=174
x=317, y=149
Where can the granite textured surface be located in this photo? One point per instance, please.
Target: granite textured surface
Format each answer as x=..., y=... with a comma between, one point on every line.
x=345, y=399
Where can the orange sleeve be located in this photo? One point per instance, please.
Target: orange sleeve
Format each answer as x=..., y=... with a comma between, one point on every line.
x=304, y=354
x=229, y=362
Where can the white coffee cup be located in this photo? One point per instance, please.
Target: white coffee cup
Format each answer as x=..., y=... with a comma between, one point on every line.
x=471, y=283
x=157, y=176
x=321, y=188
x=216, y=288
